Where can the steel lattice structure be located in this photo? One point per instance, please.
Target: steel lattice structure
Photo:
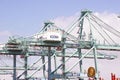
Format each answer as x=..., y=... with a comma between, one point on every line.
x=53, y=42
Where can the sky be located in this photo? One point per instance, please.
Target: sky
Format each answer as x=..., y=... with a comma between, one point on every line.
x=26, y=17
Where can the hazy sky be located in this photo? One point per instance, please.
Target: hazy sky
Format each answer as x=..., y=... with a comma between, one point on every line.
x=26, y=17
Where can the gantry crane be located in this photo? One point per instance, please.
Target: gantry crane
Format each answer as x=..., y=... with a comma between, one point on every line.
x=53, y=42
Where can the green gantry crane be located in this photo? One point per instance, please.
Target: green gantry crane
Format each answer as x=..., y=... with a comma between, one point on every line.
x=85, y=38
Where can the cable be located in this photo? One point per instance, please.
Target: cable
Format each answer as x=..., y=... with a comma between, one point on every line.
x=108, y=27
x=94, y=19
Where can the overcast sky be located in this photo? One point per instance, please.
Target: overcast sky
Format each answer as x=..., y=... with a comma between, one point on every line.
x=26, y=17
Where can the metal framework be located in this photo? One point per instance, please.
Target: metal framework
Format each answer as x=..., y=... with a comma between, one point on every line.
x=70, y=46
